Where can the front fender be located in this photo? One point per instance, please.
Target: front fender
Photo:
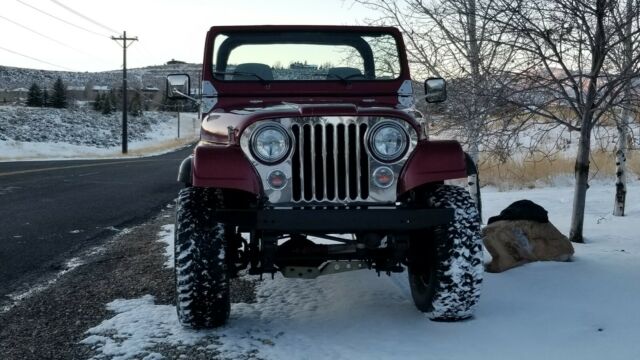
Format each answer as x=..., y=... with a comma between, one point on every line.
x=432, y=161
x=224, y=167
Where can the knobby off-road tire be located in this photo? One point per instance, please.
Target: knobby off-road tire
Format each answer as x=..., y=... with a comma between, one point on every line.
x=202, y=281
x=445, y=274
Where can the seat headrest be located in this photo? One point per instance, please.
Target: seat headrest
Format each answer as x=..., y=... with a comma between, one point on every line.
x=343, y=72
x=262, y=70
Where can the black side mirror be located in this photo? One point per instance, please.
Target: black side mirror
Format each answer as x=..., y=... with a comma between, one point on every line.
x=435, y=90
x=178, y=86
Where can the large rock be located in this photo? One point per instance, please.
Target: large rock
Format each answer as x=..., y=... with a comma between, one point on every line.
x=512, y=243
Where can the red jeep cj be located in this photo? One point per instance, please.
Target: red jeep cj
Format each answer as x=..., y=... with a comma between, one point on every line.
x=311, y=162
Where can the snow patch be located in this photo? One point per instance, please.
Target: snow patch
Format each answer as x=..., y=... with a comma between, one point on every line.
x=167, y=235
x=138, y=326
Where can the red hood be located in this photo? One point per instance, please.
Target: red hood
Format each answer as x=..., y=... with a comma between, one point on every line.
x=216, y=126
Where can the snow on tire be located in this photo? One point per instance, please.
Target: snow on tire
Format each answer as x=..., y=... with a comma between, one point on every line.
x=202, y=284
x=446, y=283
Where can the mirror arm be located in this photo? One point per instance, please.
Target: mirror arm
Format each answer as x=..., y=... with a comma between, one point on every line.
x=186, y=96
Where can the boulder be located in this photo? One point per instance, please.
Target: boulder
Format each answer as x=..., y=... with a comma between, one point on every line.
x=512, y=243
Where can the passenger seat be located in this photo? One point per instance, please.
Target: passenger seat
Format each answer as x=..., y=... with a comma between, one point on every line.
x=350, y=73
x=262, y=70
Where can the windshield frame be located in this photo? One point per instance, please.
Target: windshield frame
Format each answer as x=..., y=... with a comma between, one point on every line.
x=352, y=36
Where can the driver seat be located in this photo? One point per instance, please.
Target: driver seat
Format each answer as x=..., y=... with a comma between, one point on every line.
x=262, y=70
x=344, y=72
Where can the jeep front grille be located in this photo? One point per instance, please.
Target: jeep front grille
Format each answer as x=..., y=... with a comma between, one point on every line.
x=329, y=162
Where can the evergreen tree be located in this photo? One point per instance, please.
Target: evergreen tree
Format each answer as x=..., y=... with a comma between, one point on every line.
x=59, y=97
x=113, y=99
x=46, y=100
x=108, y=102
x=135, y=108
x=98, y=102
x=34, y=97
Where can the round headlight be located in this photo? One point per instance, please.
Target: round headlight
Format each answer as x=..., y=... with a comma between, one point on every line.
x=270, y=143
x=388, y=141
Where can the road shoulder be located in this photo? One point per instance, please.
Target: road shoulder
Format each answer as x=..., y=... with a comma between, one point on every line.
x=52, y=323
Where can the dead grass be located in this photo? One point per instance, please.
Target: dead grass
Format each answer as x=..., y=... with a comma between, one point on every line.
x=538, y=171
x=161, y=146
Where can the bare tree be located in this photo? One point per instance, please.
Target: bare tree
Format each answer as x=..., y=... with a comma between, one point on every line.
x=451, y=39
x=571, y=78
x=623, y=59
x=457, y=40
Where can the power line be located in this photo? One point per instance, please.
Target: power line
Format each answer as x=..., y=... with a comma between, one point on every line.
x=35, y=59
x=41, y=34
x=83, y=16
x=62, y=20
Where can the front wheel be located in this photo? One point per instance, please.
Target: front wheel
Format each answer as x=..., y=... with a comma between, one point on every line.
x=445, y=272
x=202, y=276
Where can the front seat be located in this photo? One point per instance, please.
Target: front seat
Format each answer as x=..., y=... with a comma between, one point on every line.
x=344, y=72
x=262, y=70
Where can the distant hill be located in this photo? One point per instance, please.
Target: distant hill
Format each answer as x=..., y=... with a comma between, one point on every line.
x=150, y=76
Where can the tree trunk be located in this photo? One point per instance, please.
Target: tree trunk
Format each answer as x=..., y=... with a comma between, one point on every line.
x=621, y=183
x=473, y=178
x=621, y=161
x=582, y=183
x=473, y=55
x=623, y=123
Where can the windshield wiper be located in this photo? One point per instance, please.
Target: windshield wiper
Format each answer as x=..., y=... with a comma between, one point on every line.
x=344, y=79
x=242, y=73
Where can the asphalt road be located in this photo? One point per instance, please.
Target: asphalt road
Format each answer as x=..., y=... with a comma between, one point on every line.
x=50, y=210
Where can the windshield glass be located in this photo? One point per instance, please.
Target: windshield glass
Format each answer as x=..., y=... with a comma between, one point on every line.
x=308, y=56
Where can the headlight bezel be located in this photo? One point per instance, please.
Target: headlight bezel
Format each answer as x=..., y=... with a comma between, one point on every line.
x=404, y=137
x=253, y=143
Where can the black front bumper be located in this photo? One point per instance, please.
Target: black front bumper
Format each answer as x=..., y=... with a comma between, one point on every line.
x=335, y=220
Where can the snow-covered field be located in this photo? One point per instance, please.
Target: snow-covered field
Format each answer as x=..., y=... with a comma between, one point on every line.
x=585, y=309
x=544, y=139
x=48, y=134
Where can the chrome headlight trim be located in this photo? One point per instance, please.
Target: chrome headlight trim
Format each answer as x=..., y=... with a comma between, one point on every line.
x=374, y=140
x=257, y=145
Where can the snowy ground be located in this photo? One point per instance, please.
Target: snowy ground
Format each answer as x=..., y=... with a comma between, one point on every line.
x=585, y=309
x=51, y=134
x=546, y=140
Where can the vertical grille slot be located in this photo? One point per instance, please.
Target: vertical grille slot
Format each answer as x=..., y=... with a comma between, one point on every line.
x=364, y=164
x=342, y=164
x=329, y=162
x=307, y=163
x=296, y=179
x=352, y=159
x=318, y=164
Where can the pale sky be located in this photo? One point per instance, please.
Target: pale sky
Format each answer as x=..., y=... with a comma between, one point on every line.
x=165, y=29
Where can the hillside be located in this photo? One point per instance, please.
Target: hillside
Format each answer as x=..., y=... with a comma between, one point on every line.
x=151, y=76
x=41, y=134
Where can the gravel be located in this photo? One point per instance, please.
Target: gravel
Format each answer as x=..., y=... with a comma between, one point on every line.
x=50, y=324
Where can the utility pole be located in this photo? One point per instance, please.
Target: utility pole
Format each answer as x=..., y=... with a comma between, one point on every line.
x=124, y=40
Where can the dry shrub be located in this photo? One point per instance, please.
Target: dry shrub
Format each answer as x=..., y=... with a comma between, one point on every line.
x=162, y=146
x=633, y=164
x=537, y=170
